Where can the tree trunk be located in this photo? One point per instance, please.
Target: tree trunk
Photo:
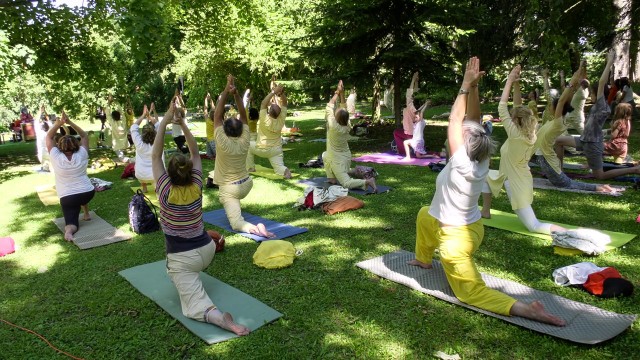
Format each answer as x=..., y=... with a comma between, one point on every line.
x=621, y=41
x=375, y=108
x=397, y=96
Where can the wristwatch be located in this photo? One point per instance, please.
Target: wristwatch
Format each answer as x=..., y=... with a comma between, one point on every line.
x=463, y=92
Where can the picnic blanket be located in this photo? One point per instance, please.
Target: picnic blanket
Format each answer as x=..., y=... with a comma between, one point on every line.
x=540, y=183
x=268, y=173
x=95, y=232
x=219, y=218
x=153, y=282
x=397, y=159
x=322, y=183
x=586, y=324
x=48, y=195
x=510, y=222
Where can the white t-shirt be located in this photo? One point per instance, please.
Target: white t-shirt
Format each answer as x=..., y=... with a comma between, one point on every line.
x=71, y=175
x=418, y=130
x=143, y=154
x=628, y=94
x=458, y=188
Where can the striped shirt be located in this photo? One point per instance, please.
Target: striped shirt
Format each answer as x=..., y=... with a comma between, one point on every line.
x=181, y=206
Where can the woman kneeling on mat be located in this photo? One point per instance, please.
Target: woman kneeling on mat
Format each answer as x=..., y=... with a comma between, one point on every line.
x=69, y=160
x=189, y=248
x=143, y=139
x=453, y=222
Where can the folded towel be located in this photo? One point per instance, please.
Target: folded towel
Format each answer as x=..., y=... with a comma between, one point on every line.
x=589, y=241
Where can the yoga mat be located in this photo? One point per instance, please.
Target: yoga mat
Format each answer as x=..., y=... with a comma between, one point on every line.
x=219, y=218
x=153, y=282
x=151, y=194
x=322, y=182
x=95, y=232
x=396, y=159
x=586, y=324
x=510, y=222
x=48, y=194
x=268, y=173
x=565, y=165
x=540, y=183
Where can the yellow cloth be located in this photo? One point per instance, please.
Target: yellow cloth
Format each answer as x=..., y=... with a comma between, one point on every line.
x=270, y=129
x=231, y=156
x=209, y=128
x=457, y=244
x=546, y=138
x=274, y=254
x=514, y=164
x=184, y=195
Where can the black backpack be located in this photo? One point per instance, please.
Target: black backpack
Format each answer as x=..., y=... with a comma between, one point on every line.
x=141, y=218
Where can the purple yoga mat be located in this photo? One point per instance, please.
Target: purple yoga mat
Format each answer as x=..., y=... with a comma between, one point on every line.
x=396, y=159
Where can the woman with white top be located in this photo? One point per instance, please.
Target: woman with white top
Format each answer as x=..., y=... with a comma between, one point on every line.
x=69, y=160
x=143, y=140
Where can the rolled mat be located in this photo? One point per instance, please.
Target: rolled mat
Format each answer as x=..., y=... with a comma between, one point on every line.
x=539, y=183
x=268, y=173
x=48, y=195
x=396, y=159
x=219, y=218
x=586, y=324
x=153, y=282
x=510, y=222
x=95, y=232
x=322, y=183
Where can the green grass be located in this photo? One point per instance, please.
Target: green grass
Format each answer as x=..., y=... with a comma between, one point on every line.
x=332, y=309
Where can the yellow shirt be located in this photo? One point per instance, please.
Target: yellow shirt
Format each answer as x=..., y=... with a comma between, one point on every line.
x=546, y=138
x=231, y=156
x=337, y=135
x=514, y=163
x=209, y=128
x=118, y=132
x=129, y=118
x=270, y=129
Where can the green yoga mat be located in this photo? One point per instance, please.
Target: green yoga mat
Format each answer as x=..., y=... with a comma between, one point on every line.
x=268, y=173
x=153, y=282
x=509, y=221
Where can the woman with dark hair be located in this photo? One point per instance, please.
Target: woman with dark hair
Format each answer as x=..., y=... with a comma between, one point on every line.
x=189, y=248
x=143, y=140
x=69, y=160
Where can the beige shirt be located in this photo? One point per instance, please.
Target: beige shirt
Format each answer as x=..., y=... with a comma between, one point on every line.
x=270, y=129
x=337, y=135
x=231, y=156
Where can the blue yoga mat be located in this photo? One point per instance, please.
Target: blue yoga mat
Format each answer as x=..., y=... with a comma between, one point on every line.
x=153, y=282
x=219, y=218
x=322, y=182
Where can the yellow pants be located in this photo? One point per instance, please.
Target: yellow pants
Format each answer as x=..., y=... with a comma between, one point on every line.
x=274, y=154
x=229, y=196
x=337, y=168
x=184, y=270
x=457, y=245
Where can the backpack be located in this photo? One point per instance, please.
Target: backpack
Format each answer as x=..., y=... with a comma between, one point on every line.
x=141, y=218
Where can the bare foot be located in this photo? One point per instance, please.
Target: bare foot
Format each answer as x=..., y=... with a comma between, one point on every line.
x=262, y=231
x=251, y=169
x=535, y=311
x=226, y=322
x=86, y=217
x=408, y=158
x=604, y=188
x=68, y=235
x=371, y=182
x=69, y=230
x=416, y=262
x=486, y=214
x=287, y=174
x=332, y=181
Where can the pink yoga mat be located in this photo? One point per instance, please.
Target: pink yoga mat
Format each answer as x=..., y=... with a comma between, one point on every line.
x=396, y=159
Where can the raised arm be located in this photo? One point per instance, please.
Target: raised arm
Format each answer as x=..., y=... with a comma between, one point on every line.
x=218, y=116
x=49, y=142
x=605, y=73
x=513, y=76
x=157, y=165
x=84, y=138
x=194, y=152
x=568, y=91
x=282, y=96
x=239, y=102
x=153, y=115
x=267, y=99
x=547, y=89
x=471, y=78
x=145, y=114
x=473, y=105
x=517, y=93
x=206, y=105
x=414, y=82
x=336, y=94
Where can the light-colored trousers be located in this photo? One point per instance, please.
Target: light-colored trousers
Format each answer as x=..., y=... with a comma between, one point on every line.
x=337, y=167
x=274, y=154
x=229, y=196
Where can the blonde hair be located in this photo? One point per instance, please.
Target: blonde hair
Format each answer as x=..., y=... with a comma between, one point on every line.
x=523, y=117
x=179, y=170
x=623, y=111
x=68, y=143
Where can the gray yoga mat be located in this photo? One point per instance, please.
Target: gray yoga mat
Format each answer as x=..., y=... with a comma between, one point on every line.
x=153, y=282
x=586, y=324
x=95, y=232
x=545, y=184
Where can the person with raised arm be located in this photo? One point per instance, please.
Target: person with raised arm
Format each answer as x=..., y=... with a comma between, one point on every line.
x=209, y=108
x=268, y=143
x=591, y=140
x=514, y=173
x=188, y=246
x=453, y=224
x=143, y=139
x=230, y=174
x=69, y=159
x=337, y=158
x=408, y=117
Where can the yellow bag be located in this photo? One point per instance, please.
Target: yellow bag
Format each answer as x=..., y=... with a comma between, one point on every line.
x=274, y=254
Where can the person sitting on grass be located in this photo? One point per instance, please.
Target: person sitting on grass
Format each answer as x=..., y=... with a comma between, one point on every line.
x=591, y=140
x=417, y=140
x=188, y=246
x=69, y=159
x=230, y=174
x=337, y=158
x=143, y=141
x=453, y=223
x=269, y=139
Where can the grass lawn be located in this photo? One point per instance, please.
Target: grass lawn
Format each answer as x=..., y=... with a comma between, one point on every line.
x=332, y=310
